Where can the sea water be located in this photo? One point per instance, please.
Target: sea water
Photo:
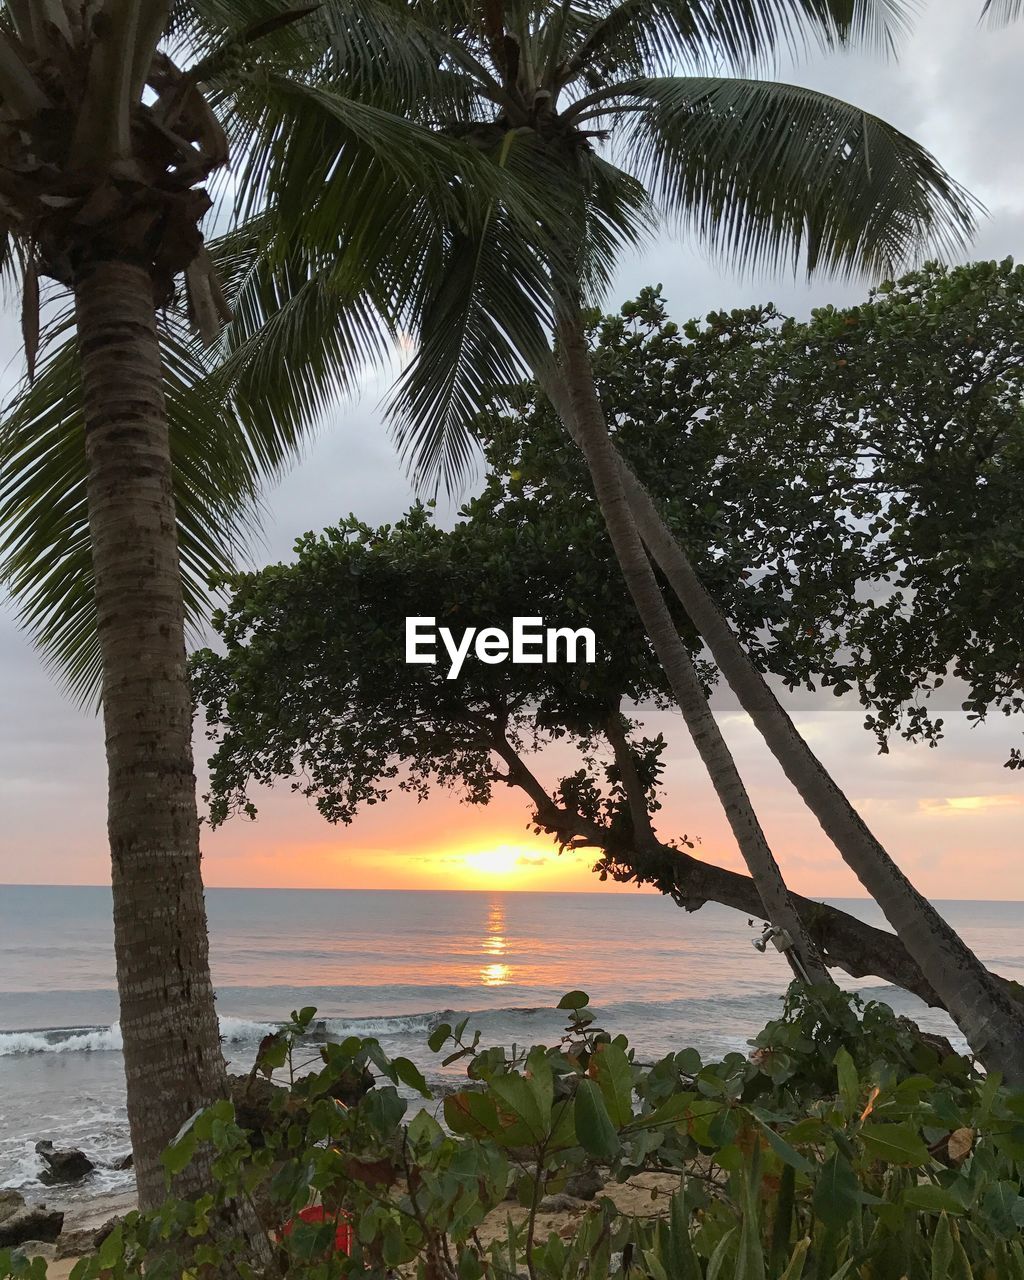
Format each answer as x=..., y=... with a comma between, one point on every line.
x=391, y=964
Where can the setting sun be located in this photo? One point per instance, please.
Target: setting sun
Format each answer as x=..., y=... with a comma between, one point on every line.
x=500, y=861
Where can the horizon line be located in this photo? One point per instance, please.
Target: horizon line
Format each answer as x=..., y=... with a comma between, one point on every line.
x=270, y=888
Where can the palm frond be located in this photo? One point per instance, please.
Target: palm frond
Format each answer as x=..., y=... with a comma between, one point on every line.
x=482, y=310
x=771, y=174
x=616, y=214
x=321, y=160
x=301, y=336
x=637, y=37
x=1001, y=12
x=487, y=315
x=8, y=263
x=45, y=555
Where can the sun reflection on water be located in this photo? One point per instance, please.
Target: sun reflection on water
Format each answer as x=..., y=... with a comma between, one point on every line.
x=495, y=943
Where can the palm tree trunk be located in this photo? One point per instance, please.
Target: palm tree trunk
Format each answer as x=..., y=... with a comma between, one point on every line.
x=172, y=1054
x=990, y=1019
x=588, y=417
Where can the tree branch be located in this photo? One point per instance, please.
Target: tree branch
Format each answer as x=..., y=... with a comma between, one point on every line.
x=846, y=943
x=636, y=795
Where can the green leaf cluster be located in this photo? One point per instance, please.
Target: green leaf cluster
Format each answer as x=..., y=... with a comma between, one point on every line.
x=872, y=1155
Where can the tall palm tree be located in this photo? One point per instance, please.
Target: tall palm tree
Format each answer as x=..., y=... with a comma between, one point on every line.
x=102, y=192
x=762, y=171
x=991, y=1018
x=124, y=475
x=573, y=398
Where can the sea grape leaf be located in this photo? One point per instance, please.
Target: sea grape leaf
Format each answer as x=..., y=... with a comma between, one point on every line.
x=410, y=1075
x=594, y=1129
x=837, y=1194
x=573, y=1000
x=895, y=1143
x=614, y=1075
x=438, y=1036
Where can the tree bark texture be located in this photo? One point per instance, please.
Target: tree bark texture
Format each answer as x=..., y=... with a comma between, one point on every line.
x=172, y=1053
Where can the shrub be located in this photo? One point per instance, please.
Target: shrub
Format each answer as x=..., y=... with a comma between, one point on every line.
x=843, y=1145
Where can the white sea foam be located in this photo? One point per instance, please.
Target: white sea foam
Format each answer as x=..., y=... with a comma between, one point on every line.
x=244, y=1030
x=72, y=1040
x=403, y=1024
x=108, y=1039
x=234, y=1031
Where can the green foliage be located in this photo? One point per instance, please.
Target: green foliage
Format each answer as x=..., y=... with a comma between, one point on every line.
x=842, y=1145
x=313, y=684
x=335, y=204
x=849, y=488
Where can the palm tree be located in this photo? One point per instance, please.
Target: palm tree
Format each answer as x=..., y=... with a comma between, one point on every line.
x=762, y=171
x=989, y=1015
x=128, y=467
x=102, y=193
x=572, y=398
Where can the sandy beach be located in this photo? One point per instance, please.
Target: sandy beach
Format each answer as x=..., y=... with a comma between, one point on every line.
x=645, y=1195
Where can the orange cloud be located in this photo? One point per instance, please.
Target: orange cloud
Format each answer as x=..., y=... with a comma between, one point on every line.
x=970, y=804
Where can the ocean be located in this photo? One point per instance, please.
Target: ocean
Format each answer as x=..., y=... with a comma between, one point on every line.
x=390, y=964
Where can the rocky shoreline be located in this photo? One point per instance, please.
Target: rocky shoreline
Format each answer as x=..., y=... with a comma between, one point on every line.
x=60, y=1236
x=63, y=1234
x=38, y=1228
x=85, y=1226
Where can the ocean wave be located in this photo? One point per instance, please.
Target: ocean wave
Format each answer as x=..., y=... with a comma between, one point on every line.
x=501, y=1022
x=108, y=1039
x=69, y=1040
x=236, y=1031
x=409, y=1024
x=244, y=1030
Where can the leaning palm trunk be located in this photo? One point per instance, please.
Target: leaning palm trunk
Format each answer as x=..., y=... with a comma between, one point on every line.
x=592, y=432
x=989, y=1018
x=173, y=1059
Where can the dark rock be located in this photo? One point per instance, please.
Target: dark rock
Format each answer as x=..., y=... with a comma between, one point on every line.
x=126, y=1162
x=11, y=1202
x=100, y=1233
x=73, y=1244
x=939, y=1043
x=585, y=1185
x=45, y=1249
x=20, y=1222
x=62, y=1166
x=560, y=1203
x=253, y=1098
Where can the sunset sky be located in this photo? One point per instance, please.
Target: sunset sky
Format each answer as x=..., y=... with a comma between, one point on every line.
x=953, y=817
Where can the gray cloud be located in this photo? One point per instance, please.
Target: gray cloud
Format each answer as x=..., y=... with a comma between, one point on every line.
x=957, y=89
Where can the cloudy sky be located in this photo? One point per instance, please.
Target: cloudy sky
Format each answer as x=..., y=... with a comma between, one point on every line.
x=953, y=817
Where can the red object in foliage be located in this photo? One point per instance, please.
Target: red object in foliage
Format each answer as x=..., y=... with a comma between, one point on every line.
x=316, y=1214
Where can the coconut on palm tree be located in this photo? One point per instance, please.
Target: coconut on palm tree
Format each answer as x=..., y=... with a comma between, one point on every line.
x=590, y=99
